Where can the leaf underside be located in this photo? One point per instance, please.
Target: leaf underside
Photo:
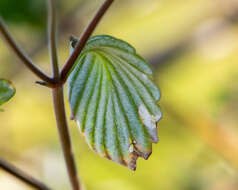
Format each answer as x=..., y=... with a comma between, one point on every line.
x=114, y=101
x=7, y=91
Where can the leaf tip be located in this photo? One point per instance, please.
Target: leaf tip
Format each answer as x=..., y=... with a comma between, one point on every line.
x=146, y=156
x=132, y=163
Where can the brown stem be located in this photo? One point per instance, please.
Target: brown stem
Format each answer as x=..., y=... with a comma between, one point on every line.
x=58, y=98
x=52, y=37
x=24, y=58
x=65, y=136
x=57, y=84
x=83, y=40
x=29, y=180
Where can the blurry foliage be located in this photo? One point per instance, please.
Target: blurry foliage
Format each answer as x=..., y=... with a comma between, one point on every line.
x=7, y=91
x=27, y=11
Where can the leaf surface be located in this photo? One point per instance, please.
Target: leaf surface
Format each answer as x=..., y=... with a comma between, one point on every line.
x=114, y=100
x=7, y=91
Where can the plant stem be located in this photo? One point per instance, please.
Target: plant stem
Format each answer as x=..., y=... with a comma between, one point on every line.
x=23, y=57
x=65, y=136
x=52, y=38
x=83, y=40
x=59, y=106
x=57, y=89
x=29, y=180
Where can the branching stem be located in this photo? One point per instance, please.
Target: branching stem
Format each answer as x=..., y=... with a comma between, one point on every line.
x=58, y=99
x=56, y=83
x=29, y=180
x=83, y=40
x=22, y=56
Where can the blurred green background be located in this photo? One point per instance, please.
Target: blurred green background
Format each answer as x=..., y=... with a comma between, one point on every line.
x=192, y=46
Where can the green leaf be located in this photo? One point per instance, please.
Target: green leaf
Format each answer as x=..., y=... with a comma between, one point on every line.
x=7, y=91
x=114, y=101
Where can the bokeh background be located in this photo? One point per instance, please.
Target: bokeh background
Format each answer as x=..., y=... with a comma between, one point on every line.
x=192, y=46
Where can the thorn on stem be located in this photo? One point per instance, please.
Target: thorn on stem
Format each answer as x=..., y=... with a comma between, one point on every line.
x=42, y=83
x=74, y=40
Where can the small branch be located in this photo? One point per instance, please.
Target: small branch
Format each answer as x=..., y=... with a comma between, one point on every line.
x=59, y=106
x=26, y=60
x=83, y=40
x=22, y=175
x=52, y=38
